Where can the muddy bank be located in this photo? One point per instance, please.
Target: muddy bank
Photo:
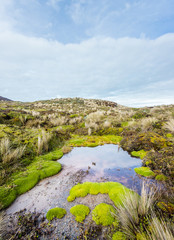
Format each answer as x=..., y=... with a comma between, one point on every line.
x=53, y=192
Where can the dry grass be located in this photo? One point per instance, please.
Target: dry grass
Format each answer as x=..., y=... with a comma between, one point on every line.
x=66, y=149
x=9, y=154
x=138, y=219
x=170, y=125
x=3, y=223
x=43, y=142
x=58, y=121
x=146, y=123
x=134, y=212
x=107, y=124
x=160, y=230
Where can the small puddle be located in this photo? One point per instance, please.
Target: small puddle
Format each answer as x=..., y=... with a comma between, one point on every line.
x=105, y=163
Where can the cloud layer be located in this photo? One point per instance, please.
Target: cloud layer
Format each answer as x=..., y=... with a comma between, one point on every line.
x=119, y=50
x=120, y=69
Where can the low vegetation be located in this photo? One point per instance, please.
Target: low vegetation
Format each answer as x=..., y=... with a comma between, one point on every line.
x=80, y=211
x=144, y=171
x=138, y=218
x=103, y=214
x=55, y=213
x=34, y=135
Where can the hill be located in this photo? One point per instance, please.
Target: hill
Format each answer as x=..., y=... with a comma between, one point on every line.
x=4, y=99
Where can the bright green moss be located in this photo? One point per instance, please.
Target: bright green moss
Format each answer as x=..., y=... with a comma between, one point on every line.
x=124, y=124
x=26, y=181
x=103, y=214
x=144, y=171
x=77, y=142
x=169, y=135
x=7, y=196
x=116, y=191
x=93, y=141
x=141, y=236
x=118, y=236
x=141, y=154
x=54, y=155
x=36, y=171
x=161, y=177
x=23, y=182
x=80, y=212
x=55, y=213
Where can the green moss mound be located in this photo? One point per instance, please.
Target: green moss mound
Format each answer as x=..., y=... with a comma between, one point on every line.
x=103, y=214
x=36, y=172
x=51, y=156
x=55, y=213
x=118, y=236
x=144, y=171
x=161, y=177
x=93, y=141
x=80, y=212
x=116, y=191
x=7, y=196
x=140, y=154
x=22, y=182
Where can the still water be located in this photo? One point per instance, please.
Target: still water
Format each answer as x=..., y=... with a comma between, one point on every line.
x=105, y=163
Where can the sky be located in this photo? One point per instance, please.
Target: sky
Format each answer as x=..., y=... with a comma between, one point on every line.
x=118, y=50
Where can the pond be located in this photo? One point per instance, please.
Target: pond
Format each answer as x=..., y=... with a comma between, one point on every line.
x=105, y=163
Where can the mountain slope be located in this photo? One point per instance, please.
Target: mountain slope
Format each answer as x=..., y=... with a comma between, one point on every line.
x=4, y=99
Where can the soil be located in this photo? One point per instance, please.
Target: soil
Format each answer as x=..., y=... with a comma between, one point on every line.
x=53, y=192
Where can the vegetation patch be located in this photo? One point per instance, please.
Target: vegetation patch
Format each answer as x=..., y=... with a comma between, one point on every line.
x=161, y=177
x=55, y=213
x=93, y=141
x=140, y=154
x=80, y=212
x=103, y=214
x=144, y=171
x=51, y=156
x=22, y=182
x=118, y=236
x=116, y=191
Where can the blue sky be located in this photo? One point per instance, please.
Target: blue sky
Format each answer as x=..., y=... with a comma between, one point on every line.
x=117, y=50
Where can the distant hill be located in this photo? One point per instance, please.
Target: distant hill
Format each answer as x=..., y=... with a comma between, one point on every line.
x=4, y=99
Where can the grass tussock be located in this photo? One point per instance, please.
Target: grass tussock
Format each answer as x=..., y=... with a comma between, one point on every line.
x=8, y=153
x=169, y=125
x=43, y=142
x=138, y=219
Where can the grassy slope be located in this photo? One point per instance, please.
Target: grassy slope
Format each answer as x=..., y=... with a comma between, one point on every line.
x=145, y=132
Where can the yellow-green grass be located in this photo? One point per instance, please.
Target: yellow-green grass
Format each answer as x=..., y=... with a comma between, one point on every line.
x=144, y=171
x=93, y=141
x=24, y=181
x=140, y=154
x=55, y=213
x=118, y=236
x=80, y=211
x=116, y=191
x=103, y=214
x=161, y=177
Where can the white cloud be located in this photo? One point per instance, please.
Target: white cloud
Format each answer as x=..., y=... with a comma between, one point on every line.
x=128, y=70
x=54, y=4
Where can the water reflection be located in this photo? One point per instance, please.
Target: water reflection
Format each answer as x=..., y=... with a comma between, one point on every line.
x=105, y=163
